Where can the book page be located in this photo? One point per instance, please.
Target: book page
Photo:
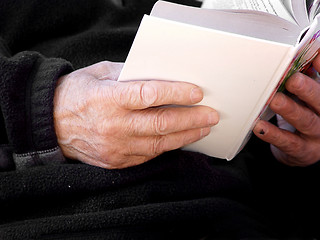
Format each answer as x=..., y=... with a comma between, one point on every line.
x=299, y=11
x=306, y=50
x=313, y=8
x=236, y=73
x=274, y=7
x=249, y=23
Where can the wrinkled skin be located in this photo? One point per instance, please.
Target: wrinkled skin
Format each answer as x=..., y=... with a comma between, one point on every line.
x=112, y=124
x=297, y=140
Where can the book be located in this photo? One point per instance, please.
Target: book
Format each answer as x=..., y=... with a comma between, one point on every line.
x=239, y=57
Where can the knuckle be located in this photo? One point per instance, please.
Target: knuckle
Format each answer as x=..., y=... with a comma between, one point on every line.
x=160, y=123
x=294, y=146
x=309, y=122
x=292, y=112
x=120, y=96
x=130, y=148
x=276, y=138
x=106, y=128
x=136, y=93
x=157, y=145
x=148, y=94
x=309, y=91
x=287, y=142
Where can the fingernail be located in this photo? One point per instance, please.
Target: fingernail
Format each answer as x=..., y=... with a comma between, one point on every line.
x=196, y=95
x=205, y=132
x=213, y=118
x=299, y=82
x=261, y=129
x=280, y=100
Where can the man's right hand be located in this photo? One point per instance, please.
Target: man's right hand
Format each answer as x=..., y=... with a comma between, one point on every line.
x=111, y=124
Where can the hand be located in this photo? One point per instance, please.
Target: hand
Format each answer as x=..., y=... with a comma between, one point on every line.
x=297, y=141
x=111, y=124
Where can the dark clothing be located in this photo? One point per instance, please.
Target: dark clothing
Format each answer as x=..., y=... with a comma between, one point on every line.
x=179, y=195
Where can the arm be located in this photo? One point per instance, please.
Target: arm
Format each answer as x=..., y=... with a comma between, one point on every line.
x=27, y=82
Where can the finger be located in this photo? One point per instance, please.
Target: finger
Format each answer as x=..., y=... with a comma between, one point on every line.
x=281, y=156
x=288, y=160
x=144, y=94
x=142, y=149
x=285, y=159
x=104, y=70
x=301, y=117
x=286, y=141
x=155, y=145
x=162, y=121
x=306, y=89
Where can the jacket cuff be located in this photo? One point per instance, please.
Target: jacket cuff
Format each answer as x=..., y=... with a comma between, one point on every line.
x=42, y=133
x=27, y=85
x=45, y=157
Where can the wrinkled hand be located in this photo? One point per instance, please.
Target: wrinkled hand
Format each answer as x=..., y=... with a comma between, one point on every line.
x=111, y=124
x=298, y=144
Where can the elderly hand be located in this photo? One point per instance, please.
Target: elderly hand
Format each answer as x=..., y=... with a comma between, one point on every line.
x=111, y=124
x=300, y=145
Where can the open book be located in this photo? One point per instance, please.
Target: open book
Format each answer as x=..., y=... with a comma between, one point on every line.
x=239, y=57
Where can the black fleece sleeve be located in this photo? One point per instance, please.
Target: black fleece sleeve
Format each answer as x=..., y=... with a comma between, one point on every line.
x=27, y=83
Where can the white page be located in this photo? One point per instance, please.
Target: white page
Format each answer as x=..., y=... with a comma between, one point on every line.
x=234, y=72
x=298, y=9
x=254, y=24
x=274, y=7
x=314, y=9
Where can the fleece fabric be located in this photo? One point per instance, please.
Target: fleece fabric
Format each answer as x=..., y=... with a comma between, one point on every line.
x=178, y=195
